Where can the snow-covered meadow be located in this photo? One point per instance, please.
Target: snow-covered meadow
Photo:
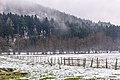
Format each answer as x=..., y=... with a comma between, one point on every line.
x=41, y=70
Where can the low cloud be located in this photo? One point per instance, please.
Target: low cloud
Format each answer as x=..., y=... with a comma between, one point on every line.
x=104, y=10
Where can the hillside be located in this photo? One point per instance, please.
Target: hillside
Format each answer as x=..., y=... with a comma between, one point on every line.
x=32, y=27
x=36, y=9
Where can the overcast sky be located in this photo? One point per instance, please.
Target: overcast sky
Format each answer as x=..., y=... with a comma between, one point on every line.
x=103, y=10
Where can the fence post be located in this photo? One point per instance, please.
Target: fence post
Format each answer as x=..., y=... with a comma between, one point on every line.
x=84, y=62
x=61, y=60
x=72, y=61
x=78, y=62
x=58, y=61
x=51, y=60
x=40, y=59
x=106, y=64
x=54, y=60
x=91, y=63
x=116, y=64
x=69, y=61
x=97, y=63
x=47, y=60
x=64, y=61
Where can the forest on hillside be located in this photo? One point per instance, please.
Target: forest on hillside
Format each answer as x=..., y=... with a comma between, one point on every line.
x=29, y=33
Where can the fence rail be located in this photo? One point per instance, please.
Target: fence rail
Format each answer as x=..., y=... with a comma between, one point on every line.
x=70, y=61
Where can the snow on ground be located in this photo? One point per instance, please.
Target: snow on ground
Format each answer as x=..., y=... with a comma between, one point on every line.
x=38, y=70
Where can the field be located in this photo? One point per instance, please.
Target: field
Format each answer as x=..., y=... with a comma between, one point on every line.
x=39, y=68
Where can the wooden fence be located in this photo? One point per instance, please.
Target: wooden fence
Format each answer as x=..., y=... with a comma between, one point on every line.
x=70, y=61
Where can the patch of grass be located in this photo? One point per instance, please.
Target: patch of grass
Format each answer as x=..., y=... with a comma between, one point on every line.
x=7, y=69
x=91, y=79
x=76, y=78
x=80, y=77
x=48, y=78
x=112, y=76
x=100, y=79
x=15, y=78
x=12, y=75
x=113, y=79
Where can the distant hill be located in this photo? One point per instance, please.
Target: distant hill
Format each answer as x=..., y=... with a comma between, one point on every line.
x=30, y=8
x=39, y=28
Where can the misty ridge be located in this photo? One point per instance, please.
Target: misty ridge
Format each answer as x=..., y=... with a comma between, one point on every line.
x=26, y=25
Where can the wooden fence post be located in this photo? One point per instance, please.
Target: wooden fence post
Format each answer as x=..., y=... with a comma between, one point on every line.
x=40, y=59
x=69, y=61
x=84, y=62
x=116, y=64
x=78, y=62
x=54, y=60
x=51, y=61
x=58, y=61
x=64, y=61
x=97, y=63
x=106, y=64
x=47, y=60
x=61, y=60
x=72, y=61
x=91, y=63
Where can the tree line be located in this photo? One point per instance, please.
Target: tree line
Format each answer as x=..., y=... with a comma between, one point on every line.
x=30, y=33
